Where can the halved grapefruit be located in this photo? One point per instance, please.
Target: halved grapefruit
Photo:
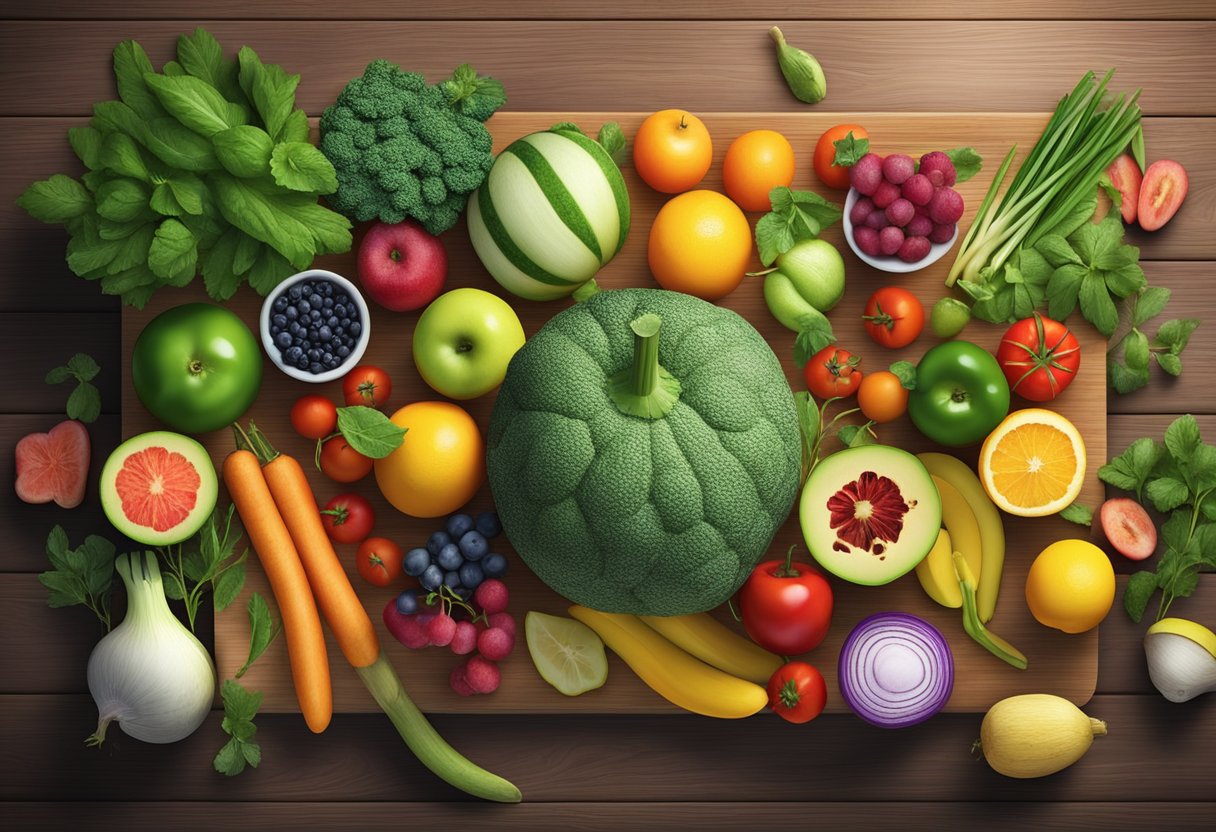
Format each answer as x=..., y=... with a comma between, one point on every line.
x=158, y=488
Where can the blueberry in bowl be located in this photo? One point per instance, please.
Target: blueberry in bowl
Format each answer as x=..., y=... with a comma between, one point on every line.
x=315, y=325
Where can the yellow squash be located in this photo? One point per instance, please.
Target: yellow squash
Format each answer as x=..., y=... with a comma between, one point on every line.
x=714, y=643
x=1036, y=734
x=678, y=677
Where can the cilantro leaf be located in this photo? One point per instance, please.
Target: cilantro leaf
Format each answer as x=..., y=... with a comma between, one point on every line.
x=1079, y=514
x=967, y=163
x=80, y=576
x=849, y=150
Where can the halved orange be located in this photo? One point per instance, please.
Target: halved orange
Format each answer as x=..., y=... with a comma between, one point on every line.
x=1033, y=463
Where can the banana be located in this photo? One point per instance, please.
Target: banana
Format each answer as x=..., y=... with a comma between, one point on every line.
x=678, y=677
x=936, y=573
x=992, y=533
x=964, y=529
x=716, y=644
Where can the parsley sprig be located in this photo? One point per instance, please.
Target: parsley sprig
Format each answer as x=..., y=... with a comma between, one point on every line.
x=84, y=402
x=82, y=575
x=208, y=561
x=1179, y=477
x=240, y=707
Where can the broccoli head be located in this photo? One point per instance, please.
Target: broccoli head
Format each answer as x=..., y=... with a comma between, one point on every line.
x=405, y=149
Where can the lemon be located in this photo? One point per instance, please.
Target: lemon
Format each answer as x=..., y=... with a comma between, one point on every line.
x=567, y=653
x=1071, y=586
x=1033, y=463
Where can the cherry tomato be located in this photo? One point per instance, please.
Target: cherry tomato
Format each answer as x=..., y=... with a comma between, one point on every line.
x=342, y=463
x=348, y=518
x=832, y=373
x=1039, y=357
x=379, y=561
x=894, y=317
x=797, y=692
x=830, y=174
x=786, y=606
x=881, y=397
x=314, y=417
x=366, y=385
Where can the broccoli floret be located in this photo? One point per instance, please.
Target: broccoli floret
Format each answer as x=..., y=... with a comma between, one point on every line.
x=403, y=148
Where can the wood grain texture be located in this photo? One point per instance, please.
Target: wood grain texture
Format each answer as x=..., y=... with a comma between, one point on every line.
x=1058, y=664
x=1153, y=752
x=587, y=816
x=48, y=339
x=704, y=66
x=778, y=10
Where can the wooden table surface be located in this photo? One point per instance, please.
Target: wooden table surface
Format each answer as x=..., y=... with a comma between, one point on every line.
x=1153, y=771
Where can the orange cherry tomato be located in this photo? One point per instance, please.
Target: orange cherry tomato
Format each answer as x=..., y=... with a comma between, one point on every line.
x=881, y=397
x=755, y=163
x=672, y=151
x=832, y=175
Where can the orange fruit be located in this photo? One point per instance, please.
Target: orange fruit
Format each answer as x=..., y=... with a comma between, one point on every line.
x=1070, y=586
x=755, y=163
x=672, y=151
x=700, y=244
x=1033, y=463
x=440, y=464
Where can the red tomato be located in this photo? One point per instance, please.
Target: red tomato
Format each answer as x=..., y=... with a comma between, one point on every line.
x=366, y=385
x=342, y=463
x=797, y=692
x=1039, y=357
x=786, y=606
x=832, y=373
x=833, y=175
x=894, y=317
x=379, y=561
x=314, y=417
x=348, y=518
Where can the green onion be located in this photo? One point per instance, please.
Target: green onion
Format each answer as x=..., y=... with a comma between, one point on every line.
x=1080, y=141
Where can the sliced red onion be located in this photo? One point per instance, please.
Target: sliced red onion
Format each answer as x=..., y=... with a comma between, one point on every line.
x=896, y=670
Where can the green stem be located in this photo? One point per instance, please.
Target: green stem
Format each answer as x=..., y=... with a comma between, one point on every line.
x=645, y=389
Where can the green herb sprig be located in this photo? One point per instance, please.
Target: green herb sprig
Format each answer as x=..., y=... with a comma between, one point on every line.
x=209, y=561
x=80, y=576
x=240, y=707
x=84, y=402
x=1128, y=359
x=796, y=215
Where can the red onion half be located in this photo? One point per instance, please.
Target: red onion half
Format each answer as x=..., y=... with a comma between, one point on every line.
x=896, y=670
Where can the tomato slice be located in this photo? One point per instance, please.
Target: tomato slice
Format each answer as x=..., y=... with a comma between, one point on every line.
x=1125, y=175
x=1161, y=193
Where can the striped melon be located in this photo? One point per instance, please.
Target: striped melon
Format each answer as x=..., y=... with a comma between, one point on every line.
x=551, y=213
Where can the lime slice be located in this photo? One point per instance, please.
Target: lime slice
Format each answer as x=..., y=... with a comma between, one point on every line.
x=567, y=653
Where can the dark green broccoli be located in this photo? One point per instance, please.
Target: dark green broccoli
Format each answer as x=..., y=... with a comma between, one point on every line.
x=403, y=148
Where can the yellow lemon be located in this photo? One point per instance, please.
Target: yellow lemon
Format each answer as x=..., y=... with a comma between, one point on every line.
x=1071, y=586
x=1033, y=463
x=700, y=244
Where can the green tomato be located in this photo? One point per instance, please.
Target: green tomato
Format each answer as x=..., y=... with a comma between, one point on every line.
x=806, y=280
x=196, y=367
x=960, y=396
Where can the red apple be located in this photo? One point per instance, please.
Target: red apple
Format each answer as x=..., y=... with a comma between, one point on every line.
x=402, y=266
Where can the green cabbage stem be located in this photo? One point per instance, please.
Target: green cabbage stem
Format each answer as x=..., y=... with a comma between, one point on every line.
x=645, y=389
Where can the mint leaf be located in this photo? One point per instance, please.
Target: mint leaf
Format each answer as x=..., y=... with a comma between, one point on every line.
x=1079, y=514
x=1149, y=304
x=849, y=150
x=1124, y=379
x=131, y=63
x=86, y=143
x=773, y=238
x=298, y=166
x=121, y=200
x=1140, y=588
x=611, y=139
x=80, y=576
x=228, y=584
x=815, y=334
x=1136, y=351
x=1167, y=493
x=121, y=155
x=905, y=371
x=1132, y=468
x=1174, y=335
x=967, y=163
x=369, y=431
x=84, y=403
x=1169, y=362
x=173, y=254
x=83, y=367
x=796, y=215
x=240, y=705
x=1182, y=438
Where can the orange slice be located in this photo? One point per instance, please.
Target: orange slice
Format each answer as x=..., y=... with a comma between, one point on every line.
x=1033, y=464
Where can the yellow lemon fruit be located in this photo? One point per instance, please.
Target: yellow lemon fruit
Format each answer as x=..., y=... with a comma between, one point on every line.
x=1071, y=586
x=700, y=243
x=440, y=464
x=1033, y=463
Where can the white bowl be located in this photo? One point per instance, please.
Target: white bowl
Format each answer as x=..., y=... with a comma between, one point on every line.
x=891, y=264
x=356, y=353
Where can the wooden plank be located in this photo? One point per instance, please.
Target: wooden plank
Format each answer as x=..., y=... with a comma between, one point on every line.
x=705, y=66
x=40, y=144
x=1058, y=664
x=622, y=10
x=581, y=817
x=616, y=758
x=48, y=339
x=26, y=526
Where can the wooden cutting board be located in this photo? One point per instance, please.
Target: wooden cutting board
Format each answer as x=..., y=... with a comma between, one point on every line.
x=1061, y=664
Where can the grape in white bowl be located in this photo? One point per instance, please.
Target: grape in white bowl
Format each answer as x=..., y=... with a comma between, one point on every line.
x=899, y=215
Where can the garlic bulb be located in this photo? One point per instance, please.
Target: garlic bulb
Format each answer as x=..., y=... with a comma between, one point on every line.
x=149, y=674
x=1180, y=656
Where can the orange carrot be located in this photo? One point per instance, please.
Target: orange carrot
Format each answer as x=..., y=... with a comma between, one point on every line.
x=335, y=596
x=301, y=625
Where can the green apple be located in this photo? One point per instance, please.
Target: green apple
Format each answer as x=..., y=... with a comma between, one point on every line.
x=805, y=281
x=463, y=342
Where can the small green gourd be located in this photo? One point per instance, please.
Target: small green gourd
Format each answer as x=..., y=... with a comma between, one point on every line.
x=802, y=72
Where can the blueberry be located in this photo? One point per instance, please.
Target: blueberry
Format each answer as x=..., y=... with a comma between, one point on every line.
x=314, y=354
x=291, y=313
x=355, y=328
x=328, y=303
x=313, y=334
x=295, y=292
x=325, y=333
x=473, y=546
x=315, y=315
x=302, y=363
x=449, y=557
x=330, y=363
x=458, y=524
x=279, y=320
x=489, y=525
x=304, y=306
x=344, y=322
x=407, y=602
x=327, y=288
x=343, y=351
x=494, y=565
x=471, y=575
x=431, y=578
x=280, y=303
x=293, y=355
x=436, y=542
x=283, y=340
x=340, y=310
x=416, y=561
x=332, y=321
x=452, y=579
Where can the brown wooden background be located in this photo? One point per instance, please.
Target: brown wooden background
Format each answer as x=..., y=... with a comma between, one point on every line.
x=581, y=772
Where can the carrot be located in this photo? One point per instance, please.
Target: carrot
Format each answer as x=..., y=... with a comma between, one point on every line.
x=343, y=611
x=302, y=626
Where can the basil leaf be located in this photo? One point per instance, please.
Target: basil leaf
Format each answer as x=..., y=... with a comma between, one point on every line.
x=56, y=200
x=369, y=431
x=298, y=166
x=173, y=252
x=244, y=151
